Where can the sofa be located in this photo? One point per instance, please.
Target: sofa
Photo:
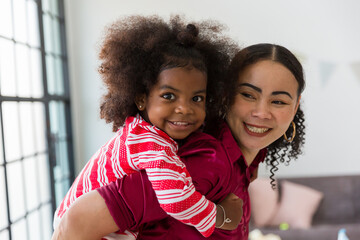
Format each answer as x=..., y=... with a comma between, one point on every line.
x=337, y=207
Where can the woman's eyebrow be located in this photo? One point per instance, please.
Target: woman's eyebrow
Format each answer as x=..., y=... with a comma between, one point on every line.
x=251, y=86
x=282, y=92
x=260, y=91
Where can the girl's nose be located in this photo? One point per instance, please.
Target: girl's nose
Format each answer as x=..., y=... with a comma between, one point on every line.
x=184, y=108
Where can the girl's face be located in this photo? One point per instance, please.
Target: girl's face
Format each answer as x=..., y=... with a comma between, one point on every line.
x=265, y=105
x=176, y=104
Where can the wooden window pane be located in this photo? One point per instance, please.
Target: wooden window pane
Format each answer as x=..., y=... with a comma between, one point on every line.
x=31, y=183
x=46, y=217
x=23, y=70
x=36, y=74
x=59, y=76
x=16, y=190
x=50, y=74
x=48, y=33
x=20, y=26
x=44, y=178
x=33, y=24
x=40, y=127
x=1, y=147
x=7, y=68
x=4, y=235
x=27, y=128
x=57, y=37
x=33, y=221
x=11, y=130
x=3, y=205
x=54, y=7
x=19, y=230
x=5, y=19
x=45, y=5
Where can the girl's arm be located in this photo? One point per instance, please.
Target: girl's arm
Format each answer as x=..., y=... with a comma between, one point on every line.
x=88, y=218
x=172, y=182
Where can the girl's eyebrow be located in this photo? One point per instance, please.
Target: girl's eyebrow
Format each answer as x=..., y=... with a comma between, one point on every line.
x=176, y=90
x=168, y=87
x=200, y=91
x=260, y=91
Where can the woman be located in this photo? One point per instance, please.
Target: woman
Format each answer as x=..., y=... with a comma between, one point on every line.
x=263, y=122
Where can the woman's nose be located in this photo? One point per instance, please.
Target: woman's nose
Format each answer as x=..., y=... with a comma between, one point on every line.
x=262, y=110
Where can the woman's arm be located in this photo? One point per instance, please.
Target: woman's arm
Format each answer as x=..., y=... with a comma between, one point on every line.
x=88, y=218
x=122, y=205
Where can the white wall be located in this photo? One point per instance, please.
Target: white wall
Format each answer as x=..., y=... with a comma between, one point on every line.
x=324, y=34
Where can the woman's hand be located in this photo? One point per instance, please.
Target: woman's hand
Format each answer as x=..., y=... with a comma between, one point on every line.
x=232, y=206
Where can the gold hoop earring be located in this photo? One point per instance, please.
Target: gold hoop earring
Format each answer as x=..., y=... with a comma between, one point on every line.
x=293, y=134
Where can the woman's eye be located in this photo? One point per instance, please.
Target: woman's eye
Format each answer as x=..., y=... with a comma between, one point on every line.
x=278, y=102
x=247, y=95
x=198, y=98
x=168, y=96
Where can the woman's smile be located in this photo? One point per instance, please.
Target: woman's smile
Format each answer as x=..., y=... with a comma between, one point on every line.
x=256, y=130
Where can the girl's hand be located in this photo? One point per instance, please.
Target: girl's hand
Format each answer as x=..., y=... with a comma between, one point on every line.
x=233, y=210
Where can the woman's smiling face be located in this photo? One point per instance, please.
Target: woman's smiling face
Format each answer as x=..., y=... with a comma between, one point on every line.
x=264, y=106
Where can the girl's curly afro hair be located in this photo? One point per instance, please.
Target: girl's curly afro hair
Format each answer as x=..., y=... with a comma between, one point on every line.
x=279, y=151
x=136, y=49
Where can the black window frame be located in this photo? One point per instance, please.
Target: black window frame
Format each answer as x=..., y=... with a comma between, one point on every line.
x=53, y=140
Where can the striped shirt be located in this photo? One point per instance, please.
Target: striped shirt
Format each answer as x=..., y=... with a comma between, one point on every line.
x=137, y=146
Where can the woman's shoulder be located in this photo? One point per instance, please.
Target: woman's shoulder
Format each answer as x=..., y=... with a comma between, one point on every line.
x=204, y=148
x=199, y=140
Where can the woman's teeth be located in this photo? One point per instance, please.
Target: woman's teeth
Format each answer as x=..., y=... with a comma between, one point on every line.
x=256, y=129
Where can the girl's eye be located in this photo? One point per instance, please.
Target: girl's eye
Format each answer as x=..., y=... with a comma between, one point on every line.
x=198, y=98
x=168, y=96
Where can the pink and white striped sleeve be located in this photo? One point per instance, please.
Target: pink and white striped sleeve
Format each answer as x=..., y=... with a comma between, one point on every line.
x=171, y=181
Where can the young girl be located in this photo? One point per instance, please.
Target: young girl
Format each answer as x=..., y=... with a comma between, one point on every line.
x=158, y=76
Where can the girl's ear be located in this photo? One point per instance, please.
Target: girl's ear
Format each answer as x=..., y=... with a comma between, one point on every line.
x=140, y=101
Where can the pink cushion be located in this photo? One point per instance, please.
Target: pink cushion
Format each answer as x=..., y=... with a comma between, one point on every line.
x=264, y=201
x=298, y=205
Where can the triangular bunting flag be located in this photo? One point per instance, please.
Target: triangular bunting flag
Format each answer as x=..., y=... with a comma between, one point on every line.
x=356, y=69
x=326, y=69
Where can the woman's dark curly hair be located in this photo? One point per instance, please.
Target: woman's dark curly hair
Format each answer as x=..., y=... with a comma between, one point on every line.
x=136, y=49
x=279, y=151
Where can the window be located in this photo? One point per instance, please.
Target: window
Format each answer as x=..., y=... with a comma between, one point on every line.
x=36, y=159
